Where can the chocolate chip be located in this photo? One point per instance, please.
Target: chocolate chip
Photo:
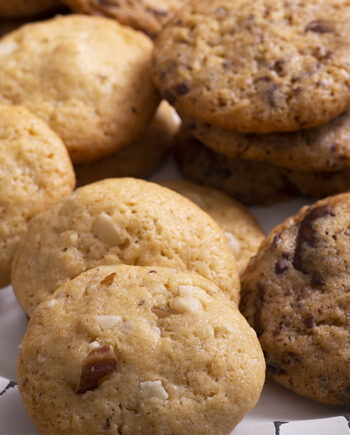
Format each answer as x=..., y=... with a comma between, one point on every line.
x=278, y=67
x=270, y=95
x=320, y=26
x=169, y=96
x=306, y=233
x=181, y=89
x=309, y=322
x=97, y=365
x=317, y=279
x=108, y=279
x=281, y=266
x=258, y=326
x=141, y=303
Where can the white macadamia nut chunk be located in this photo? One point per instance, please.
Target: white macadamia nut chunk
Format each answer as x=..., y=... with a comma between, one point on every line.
x=108, y=322
x=186, y=304
x=153, y=389
x=233, y=242
x=127, y=327
x=107, y=230
x=8, y=47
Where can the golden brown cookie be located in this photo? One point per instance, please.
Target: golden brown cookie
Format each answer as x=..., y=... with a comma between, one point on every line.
x=139, y=350
x=324, y=148
x=295, y=293
x=89, y=78
x=35, y=172
x=257, y=66
x=146, y=15
x=25, y=8
x=241, y=229
x=253, y=182
x=140, y=158
x=120, y=220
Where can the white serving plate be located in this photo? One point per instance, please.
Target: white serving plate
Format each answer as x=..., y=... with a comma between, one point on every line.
x=278, y=412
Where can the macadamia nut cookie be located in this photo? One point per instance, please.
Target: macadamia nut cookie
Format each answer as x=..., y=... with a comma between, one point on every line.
x=121, y=220
x=89, y=78
x=140, y=158
x=258, y=66
x=139, y=350
x=295, y=293
x=35, y=172
x=241, y=229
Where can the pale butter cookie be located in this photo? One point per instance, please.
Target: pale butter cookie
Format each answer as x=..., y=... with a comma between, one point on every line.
x=139, y=350
x=120, y=220
x=89, y=78
x=35, y=172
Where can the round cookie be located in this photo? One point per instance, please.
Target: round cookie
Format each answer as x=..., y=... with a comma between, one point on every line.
x=139, y=350
x=147, y=15
x=63, y=71
x=257, y=66
x=120, y=220
x=140, y=158
x=25, y=8
x=324, y=148
x=253, y=182
x=295, y=294
x=241, y=229
x=35, y=172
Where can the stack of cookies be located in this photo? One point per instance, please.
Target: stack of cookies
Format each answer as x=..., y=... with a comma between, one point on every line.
x=263, y=88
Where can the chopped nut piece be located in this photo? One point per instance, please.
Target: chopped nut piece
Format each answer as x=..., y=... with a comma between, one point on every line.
x=107, y=230
x=8, y=47
x=127, y=327
x=233, y=242
x=156, y=330
x=108, y=279
x=94, y=345
x=161, y=313
x=108, y=322
x=189, y=290
x=186, y=304
x=97, y=365
x=153, y=389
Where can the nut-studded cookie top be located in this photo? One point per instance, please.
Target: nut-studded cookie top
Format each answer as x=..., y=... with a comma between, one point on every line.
x=259, y=66
x=121, y=220
x=139, y=350
x=295, y=293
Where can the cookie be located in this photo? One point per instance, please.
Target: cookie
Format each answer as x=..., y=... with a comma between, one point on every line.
x=241, y=229
x=63, y=71
x=120, y=220
x=148, y=15
x=324, y=148
x=253, y=182
x=35, y=172
x=139, y=350
x=25, y=8
x=295, y=294
x=259, y=66
x=140, y=158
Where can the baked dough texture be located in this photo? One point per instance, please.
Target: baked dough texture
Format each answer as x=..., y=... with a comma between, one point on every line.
x=35, y=172
x=295, y=293
x=121, y=220
x=257, y=66
x=89, y=78
x=139, y=350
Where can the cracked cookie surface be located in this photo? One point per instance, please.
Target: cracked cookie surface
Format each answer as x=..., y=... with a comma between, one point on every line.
x=295, y=293
x=139, y=350
x=120, y=221
x=62, y=70
x=263, y=66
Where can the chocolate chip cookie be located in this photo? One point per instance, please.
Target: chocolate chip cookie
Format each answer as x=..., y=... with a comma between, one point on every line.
x=139, y=350
x=253, y=182
x=120, y=220
x=63, y=71
x=324, y=148
x=257, y=66
x=295, y=293
x=146, y=15
x=35, y=172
